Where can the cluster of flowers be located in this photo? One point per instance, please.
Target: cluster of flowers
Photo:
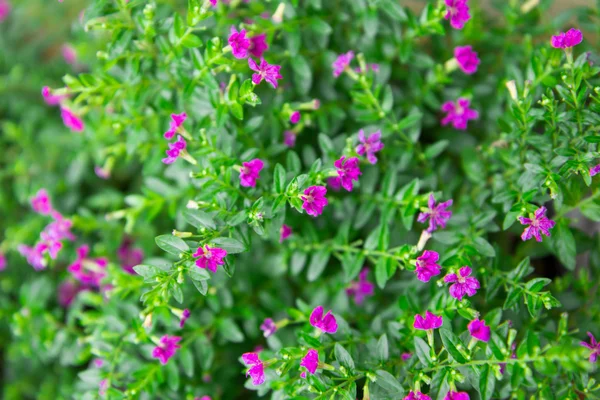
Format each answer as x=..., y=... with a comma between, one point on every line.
x=70, y=119
x=177, y=147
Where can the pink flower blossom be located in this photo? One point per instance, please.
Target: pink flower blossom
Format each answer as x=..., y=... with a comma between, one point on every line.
x=239, y=43
x=176, y=121
x=205, y=397
x=250, y=171
x=341, y=63
x=348, y=171
x=284, y=232
x=564, y=40
x=289, y=138
x=266, y=71
x=295, y=117
x=595, y=170
x=314, y=200
x=98, y=363
x=456, y=396
x=51, y=243
x=361, y=289
x=41, y=203
x=166, y=349
x=405, y=356
x=4, y=9
x=68, y=291
x=370, y=145
x=175, y=150
x=268, y=327
x=86, y=270
x=2, y=261
x=479, y=330
x=457, y=11
x=256, y=371
x=71, y=121
x=417, y=396
x=430, y=322
x=310, y=361
x=592, y=345
x=213, y=3
x=103, y=387
x=184, y=317
x=537, y=225
x=437, y=214
x=258, y=45
x=459, y=113
x=325, y=323
x=210, y=257
x=335, y=183
x=69, y=54
x=101, y=172
x=50, y=98
x=60, y=228
x=34, y=255
x=129, y=256
x=467, y=59
x=427, y=266
x=464, y=284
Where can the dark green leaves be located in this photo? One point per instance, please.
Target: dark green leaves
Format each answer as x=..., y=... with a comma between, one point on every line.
x=171, y=244
x=343, y=357
x=317, y=264
x=453, y=345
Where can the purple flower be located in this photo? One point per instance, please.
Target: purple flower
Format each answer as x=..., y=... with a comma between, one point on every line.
x=467, y=59
x=67, y=291
x=369, y=146
x=258, y=45
x=295, y=117
x=538, y=225
x=456, y=396
x=166, y=349
x=289, y=138
x=341, y=63
x=71, y=121
x=250, y=172
x=41, y=203
x=594, y=346
x=459, y=113
x=176, y=121
x=60, y=228
x=361, y=289
x=335, y=183
x=325, y=323
x=310, y=361
x=457, y=11
x=564, y=40
x=256, y=371
x=184, y=317
x=34, y=255
x=417, y=396
x=4, y=9
x=595, y=170
x=427, y=266
x=437, y=214
x=314, y=200
x=210, y=257
x=51, y=99
x=479, y=330
x=101, y=172
x=430, y=322
x=2, y=261
x=213, y=2
x=103, y=387
x=88, y=271
x=464, y=284
x=239, y=43
x=129, y=256
x=51, y=242
x=405, y=356
x=268, y=327
x=284, y=232
x=348, y=171
x=266, y=71
x=175, y=149
x=69, y=54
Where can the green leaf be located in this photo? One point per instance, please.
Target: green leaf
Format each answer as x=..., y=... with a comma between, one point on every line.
x=147, y=271
x=317, y=264
x=237, y=110
x=591, y=210
x=537, y=284
x=187, y=361
x=279, y=179
x=451, y=343
x=563, y=245
x=199, y=219
x=191, y=41
x=386, y=381
x=231, y=245
x=383, y=351
x=343, y=357
x=484, y=247
x=423, y=351
x=230, y=331
x=487, y=382
x=172, y=244
x=436, y=149
x=202, y=286
x=381, y=272
x=302, y=75
x=176, y=292
x=198, y=274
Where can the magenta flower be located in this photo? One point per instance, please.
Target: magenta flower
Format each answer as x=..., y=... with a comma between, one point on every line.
x=464, y=284
x=314, y=200
x=129, y=256
x=67, y=291
x=361, y=289
x=456, y=396
x=175, y=150
x=430, y=322
x=325, y=323
x=101, y=172
x=71, y=121
x=417, y=396
x=103, y=387
x=184, y=317
x=69, y=54
x=457, y=11
x=210, y=257
x=239, y=43
x=295, y=117
x=537, y=225
x=459, y=113
x=258, y=45
x=4, y=9
x=335, y=183
x=266, y=71
x=34, y=255
x=166, y=349
x=213, y=2
x=41, y=203
x=427, y=266
x=467, y=59
x=564, y=40
x=310, y=361
x=284, y=232
x=348, y=171
x=595, y=170
x=405, y=356
x=592, y=345
x=256, y=371
x=51, y=243
x=479, y=330
x=268, y=327
x=86, y=270
x=289, y=138
x=60, y=228
x=250, y=172
x=2, y=261
x=437, y=214
x=50, y=98
x=176, y=121
x=341, y=63
x=370, y=145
